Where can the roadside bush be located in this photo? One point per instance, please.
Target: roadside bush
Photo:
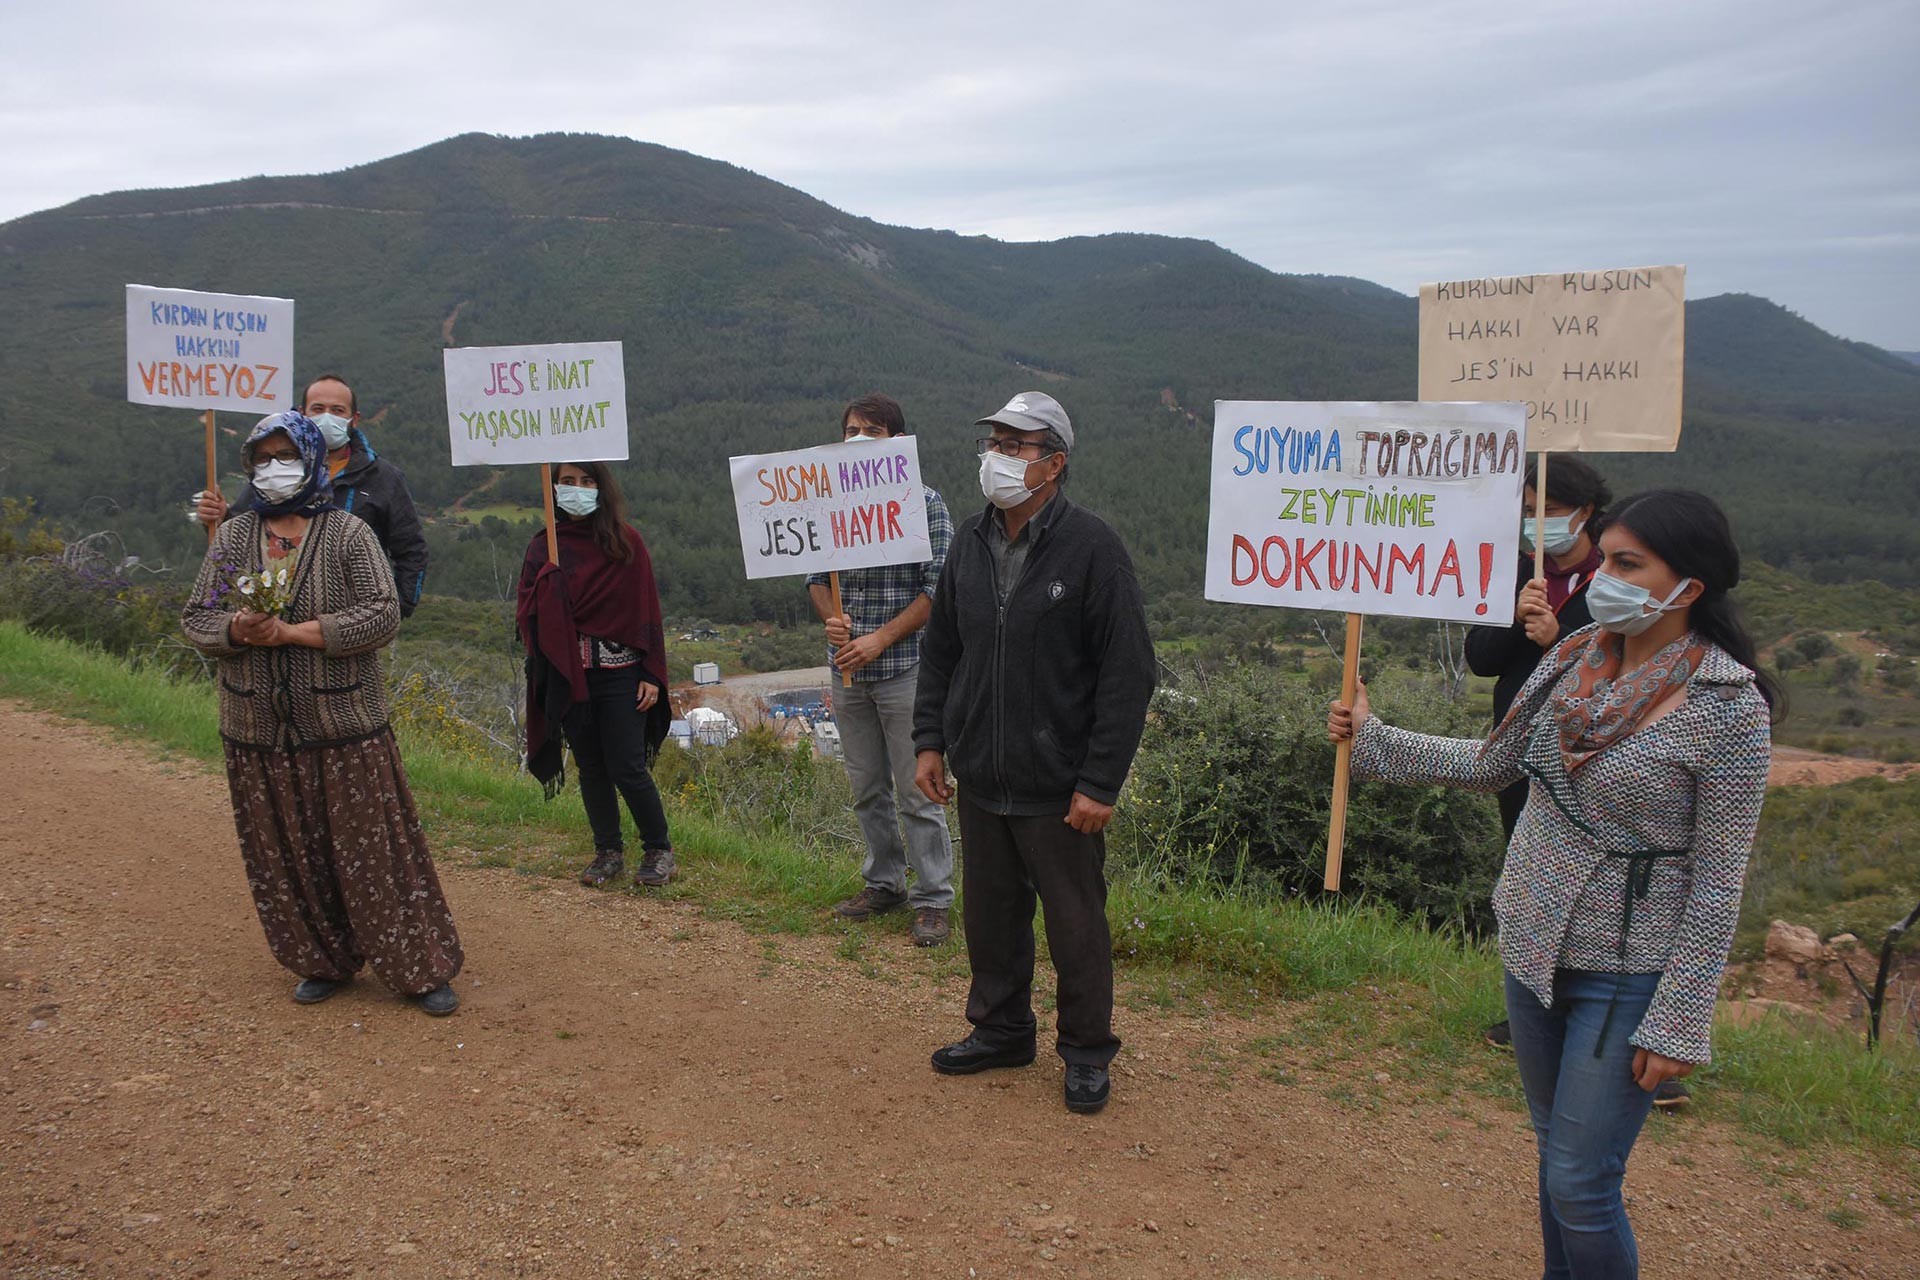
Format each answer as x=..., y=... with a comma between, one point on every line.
x=1232, y=787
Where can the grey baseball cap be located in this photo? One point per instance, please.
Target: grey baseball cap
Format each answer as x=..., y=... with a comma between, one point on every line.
x=1032, y=411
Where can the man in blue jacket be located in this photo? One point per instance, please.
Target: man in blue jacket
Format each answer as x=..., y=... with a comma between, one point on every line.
x=1035, y=674
x=364, y=483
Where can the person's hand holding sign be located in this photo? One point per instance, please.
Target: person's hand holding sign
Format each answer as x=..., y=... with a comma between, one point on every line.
x=209, y=507
x=858, y=651
x=1343, y=721
x=1536, y=615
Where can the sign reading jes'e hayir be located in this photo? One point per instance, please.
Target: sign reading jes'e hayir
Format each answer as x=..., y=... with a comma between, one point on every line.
x=1404, y=509
x=554, y=402
x=837, y=506
x=192, y=350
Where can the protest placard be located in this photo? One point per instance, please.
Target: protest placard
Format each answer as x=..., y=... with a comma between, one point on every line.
x=1405, y=509
x=1596, y=355
x=834, y=507
x=190, y=350
x=555, y=402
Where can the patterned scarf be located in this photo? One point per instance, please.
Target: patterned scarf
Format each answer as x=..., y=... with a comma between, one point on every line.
x=316, y=492
x=1603, y=706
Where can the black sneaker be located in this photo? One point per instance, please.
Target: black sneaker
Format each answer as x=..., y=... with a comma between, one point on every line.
x=1087, y=1088
x=965, y=1057
x=1500, y=1036
x=1671, y=1095
x=655, y=869
x=438, y=1002
x=314, y=990
x=607, y=865
x=868, y=903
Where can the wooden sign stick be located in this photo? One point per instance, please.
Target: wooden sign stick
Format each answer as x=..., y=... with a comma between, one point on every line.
x=553, y=535
x=833, y=584
x=1343, y=755
x=1540, y=516
x=213, y=467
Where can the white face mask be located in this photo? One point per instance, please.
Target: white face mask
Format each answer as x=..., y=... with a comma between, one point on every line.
x=278, y=479
x=576, y=499
x=1003, y=480
x=334, y=429
x=1561, y=534
x=1624, y=609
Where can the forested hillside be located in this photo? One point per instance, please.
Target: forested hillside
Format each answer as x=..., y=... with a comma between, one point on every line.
x=751, y=311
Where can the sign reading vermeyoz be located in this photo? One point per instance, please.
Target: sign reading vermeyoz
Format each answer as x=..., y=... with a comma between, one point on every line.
x=559, y=402
x=838, y=506
x=1405, y=509
x=189, y=350
x=1595, y=354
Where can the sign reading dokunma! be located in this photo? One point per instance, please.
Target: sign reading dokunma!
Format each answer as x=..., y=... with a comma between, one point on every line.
x=1596, y=355
x=838, y=506
x=190, y=350
x=556, y=402
x=1404, y=509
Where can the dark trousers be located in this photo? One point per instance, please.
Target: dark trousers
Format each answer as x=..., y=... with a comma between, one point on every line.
x=1512, y=800
x=1006, y=863
x=609, y=740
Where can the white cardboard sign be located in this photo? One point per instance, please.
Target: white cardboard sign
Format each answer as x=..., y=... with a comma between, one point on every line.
x=191, y=350
x=838, y=506
x=554, y=402
x=1407, y=509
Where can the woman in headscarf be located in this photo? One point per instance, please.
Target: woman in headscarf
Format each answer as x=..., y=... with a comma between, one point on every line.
x=339, y=868
x=1645, y=739
x=597, y=669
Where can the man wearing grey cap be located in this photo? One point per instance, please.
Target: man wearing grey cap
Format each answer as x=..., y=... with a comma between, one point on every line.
x=1035, y=674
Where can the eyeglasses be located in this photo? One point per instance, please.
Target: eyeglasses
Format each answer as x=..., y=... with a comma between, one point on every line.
x=1010, y=447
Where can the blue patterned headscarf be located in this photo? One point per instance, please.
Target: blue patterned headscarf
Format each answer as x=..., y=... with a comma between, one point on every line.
x=316, y=492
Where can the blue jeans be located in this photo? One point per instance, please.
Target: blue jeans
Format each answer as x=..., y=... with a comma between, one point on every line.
x=1586, y=1112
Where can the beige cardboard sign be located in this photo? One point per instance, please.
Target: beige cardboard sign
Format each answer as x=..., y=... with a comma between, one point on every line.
x=1596, y=355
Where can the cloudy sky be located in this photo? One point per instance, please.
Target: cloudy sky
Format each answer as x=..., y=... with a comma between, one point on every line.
x=1773, y=146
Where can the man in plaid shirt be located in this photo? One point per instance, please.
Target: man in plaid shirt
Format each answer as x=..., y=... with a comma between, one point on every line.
x=877, y=639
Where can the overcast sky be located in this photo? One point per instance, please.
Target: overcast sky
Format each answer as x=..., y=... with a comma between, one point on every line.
x=1770, y=145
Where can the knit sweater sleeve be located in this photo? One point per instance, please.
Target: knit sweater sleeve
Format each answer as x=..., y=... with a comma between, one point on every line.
x=1731, y=783
x=208, y=614
x=373, y=617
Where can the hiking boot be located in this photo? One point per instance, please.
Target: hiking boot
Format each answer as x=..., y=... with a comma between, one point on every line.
x=1671, y=1095
x=1500, y=1036
x=930, y=927
x=314, y=990
x=438, y=1002
x=607, y=865
x=965, y=1057
x=1087, y=1087
x=656, y=868
x=868, y=903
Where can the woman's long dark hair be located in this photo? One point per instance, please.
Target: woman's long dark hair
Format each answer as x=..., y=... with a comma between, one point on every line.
x=1690, y=532
x=610, y=517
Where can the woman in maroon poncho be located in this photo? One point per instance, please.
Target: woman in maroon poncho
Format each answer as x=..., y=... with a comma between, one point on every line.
x=597, y=669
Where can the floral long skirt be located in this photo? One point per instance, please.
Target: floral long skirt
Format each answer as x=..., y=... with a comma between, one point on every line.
x=338, y=865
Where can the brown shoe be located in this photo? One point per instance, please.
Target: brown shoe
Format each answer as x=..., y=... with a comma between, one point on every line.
x=607, y=865
x=655, y=869
x=868, y=903
x=930, y=927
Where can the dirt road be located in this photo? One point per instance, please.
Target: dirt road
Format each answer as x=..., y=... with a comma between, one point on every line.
x=632, y=1090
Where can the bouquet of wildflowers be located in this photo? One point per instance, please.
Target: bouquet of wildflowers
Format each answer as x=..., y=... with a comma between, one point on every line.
x=268, y=590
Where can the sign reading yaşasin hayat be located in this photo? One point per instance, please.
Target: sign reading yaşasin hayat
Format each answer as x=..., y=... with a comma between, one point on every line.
x=1596, y=355
x=554, y=402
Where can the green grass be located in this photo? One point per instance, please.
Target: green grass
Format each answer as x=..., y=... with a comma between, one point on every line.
x=1361, y=985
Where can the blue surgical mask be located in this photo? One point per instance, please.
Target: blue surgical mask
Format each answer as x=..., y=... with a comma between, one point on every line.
x=576, y=499
x=1627, y=610
x=334, y=429
x=1561, y=532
